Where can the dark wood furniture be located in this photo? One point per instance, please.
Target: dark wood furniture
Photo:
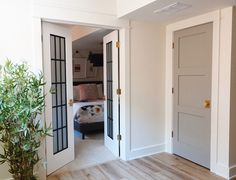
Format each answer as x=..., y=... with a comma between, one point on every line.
x=86, y=128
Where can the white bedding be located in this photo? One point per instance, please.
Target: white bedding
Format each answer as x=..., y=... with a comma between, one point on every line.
x=78, y=105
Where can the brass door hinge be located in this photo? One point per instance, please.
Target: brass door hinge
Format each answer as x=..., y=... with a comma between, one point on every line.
x=71, y=102
x=173, y=45
x=172, y=134
x=173, y=90
x=119, y=137
x=118, y=91
x=118, y=44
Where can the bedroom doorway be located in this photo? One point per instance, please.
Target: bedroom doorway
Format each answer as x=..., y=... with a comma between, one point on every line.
x=82, y=68
x=92, y=101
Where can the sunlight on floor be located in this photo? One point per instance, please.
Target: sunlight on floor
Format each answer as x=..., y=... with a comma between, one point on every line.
x=88, y=152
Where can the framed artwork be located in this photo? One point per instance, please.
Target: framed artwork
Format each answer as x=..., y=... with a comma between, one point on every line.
x=91, y=71
x=79, y=68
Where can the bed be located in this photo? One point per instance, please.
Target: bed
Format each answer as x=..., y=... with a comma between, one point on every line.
x=88, y=116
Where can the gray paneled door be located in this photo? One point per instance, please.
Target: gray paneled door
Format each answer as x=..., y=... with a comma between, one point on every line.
x=192, y=93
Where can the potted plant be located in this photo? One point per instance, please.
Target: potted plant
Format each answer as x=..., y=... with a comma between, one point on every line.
x=22, y=103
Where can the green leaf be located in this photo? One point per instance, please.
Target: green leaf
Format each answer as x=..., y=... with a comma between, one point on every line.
x=2, y=161
x=21, y=100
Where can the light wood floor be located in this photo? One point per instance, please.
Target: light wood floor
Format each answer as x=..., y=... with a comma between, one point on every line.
x=161, y=166
x=88, y=152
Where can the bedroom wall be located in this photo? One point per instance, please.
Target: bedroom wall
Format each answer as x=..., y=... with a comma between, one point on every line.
x=78, y=32
x=147, y=89
x=85, y=54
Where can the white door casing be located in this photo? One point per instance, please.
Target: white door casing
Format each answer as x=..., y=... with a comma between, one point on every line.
x=111, y=84
x=60, y=151
x=192, y=93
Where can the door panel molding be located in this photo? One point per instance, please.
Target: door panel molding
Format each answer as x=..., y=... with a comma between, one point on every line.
x=191, y=130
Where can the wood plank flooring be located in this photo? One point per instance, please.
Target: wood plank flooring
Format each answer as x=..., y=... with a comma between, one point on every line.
x=162, y=166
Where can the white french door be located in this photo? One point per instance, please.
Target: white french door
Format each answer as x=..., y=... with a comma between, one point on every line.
x=57, y=52
x=111, y=85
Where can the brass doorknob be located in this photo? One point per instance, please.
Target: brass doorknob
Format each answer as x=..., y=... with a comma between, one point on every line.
x=207, y=104
x=71, y=102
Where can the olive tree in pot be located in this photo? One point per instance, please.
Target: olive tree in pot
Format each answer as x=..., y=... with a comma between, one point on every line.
x=22, y=103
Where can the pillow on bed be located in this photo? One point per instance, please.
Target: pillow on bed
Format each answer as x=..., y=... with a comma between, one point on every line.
x=88, y=92
x=76, y=93
x=100, y=91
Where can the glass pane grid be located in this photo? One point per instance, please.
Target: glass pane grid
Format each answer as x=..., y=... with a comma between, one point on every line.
x=109, y=90
x=59, y=106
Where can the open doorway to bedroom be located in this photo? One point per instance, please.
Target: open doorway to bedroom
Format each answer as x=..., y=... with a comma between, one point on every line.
x=88, y=95
x=82, y=68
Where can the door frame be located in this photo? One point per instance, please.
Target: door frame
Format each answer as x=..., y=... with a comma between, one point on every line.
x=123, y=30
x=124, y=52
x=220, y=39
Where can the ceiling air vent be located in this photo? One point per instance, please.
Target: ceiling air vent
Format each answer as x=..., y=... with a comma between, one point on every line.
x=172, y=8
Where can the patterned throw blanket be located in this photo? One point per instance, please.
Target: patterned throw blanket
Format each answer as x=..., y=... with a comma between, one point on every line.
x=90, y=114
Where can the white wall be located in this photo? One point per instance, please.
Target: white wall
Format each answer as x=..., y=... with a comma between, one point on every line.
x=232, y=148
x=124, y=7
x=106, y=7
x=16, y=33
x=89, y=12
x=147, y=89
x=16, y=30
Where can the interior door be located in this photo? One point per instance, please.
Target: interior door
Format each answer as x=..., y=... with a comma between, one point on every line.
x=57, y=51
x=111, y=85
x=192, y=93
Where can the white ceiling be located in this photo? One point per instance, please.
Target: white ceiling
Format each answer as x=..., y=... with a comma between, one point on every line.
x=197, y=7
x=92, y=41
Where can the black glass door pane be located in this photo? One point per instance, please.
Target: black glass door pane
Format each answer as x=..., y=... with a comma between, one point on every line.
x=59, y=99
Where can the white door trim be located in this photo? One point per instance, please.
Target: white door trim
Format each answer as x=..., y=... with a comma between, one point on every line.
x=111, y=22
x=218, y=161
x=124, y=35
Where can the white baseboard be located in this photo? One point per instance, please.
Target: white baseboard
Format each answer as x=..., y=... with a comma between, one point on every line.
x=221, y=170
x=146, y=151
x=232, y=172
